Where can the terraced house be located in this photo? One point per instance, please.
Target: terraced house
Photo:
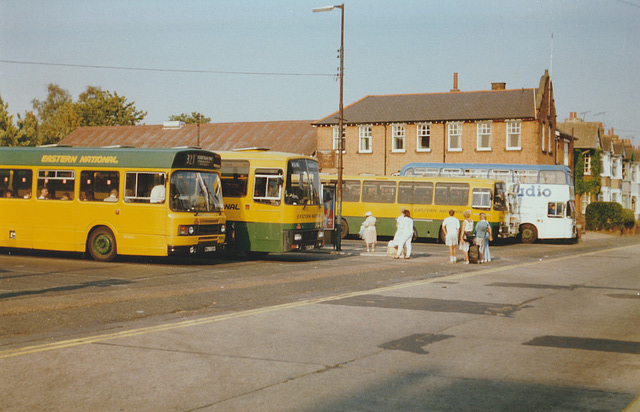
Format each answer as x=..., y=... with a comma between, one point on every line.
x=500, y=125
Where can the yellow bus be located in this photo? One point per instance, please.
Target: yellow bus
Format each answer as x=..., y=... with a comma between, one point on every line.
x=111, y=201
x=429, y=201
x=272, y=201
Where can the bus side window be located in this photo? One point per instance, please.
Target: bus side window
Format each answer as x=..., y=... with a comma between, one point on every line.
x=15, y=183
x=56, y=184
x=234, y=175
x=351, y=191
x=96, y=185
x=556, y=209
x=138, y=187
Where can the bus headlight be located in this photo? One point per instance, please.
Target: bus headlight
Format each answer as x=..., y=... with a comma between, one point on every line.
x=297, y=237
x=320, y=234
x=186, y=230
x=223, y=229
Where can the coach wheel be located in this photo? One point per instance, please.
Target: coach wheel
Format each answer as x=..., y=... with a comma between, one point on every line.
x=102, y=245
x=344, y=229
x=528, y=233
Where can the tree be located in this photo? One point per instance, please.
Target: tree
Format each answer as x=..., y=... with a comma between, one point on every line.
x=8, y=132
x=194, y=117
x=56, y=117
x=96, y=107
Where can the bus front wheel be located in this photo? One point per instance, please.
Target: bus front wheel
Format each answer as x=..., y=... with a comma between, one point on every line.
x=102, y=245
x=528, y=233
x=344, y=229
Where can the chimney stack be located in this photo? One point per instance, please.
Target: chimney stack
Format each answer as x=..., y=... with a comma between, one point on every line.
x=455, y=83
x=498, y=86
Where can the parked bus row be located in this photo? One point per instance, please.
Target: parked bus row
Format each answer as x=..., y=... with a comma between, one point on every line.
x=157, y=202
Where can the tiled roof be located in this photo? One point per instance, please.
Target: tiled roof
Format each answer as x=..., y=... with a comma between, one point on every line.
x=479, y=105
x=289, y=136
x=588, y=133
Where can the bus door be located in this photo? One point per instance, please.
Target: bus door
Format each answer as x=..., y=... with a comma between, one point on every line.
x=16, y=230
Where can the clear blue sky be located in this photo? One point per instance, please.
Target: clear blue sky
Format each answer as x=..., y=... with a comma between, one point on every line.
x=219, y=57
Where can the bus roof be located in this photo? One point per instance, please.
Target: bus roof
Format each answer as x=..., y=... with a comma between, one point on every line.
x=60, y=156
x=258, y=153
x=334, y=177
x=488, y=166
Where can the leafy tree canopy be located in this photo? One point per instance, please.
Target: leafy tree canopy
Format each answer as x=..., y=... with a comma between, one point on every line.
x=194, y=117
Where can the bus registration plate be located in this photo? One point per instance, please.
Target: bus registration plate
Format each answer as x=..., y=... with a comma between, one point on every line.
x=209, y=248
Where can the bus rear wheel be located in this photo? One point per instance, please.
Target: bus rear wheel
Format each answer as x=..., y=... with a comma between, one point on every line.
x=344, y=229
x=528, y=233
x=102, y=245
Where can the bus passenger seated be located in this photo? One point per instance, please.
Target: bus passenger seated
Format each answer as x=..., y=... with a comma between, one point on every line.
x=157, y=194
x=8, y=193
x=66, y=196
x=113, y=196
x=44, y=193
x=28, y=195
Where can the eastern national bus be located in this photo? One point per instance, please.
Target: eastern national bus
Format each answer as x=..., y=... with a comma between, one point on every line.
x=111, y=201
x=272, y=201
x=545, y=193
x=428, y=200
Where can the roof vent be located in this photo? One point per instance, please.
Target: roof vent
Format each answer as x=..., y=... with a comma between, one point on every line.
x=173, y=125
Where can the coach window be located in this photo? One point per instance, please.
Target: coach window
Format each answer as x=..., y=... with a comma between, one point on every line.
x=556, y=209
x=96, y=185
x=379, y=192
x=481, y=198
x=15, y=183
x=235, y=175
x=452, y=194
x=420, y=193
x=56, y=184
x=139, y=186
x=267, y=187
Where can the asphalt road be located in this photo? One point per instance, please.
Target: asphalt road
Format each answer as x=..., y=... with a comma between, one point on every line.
x=543, y=327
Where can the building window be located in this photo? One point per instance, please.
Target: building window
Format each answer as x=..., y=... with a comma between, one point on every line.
x=587, y=164
x=455, y=136
x=365, y=139
x=544, y=128
x=513, y=135
x=484, y=136
x=398, y=132
x=423, y=131
x=585, y=200
x=336, y=138
x=566, y=153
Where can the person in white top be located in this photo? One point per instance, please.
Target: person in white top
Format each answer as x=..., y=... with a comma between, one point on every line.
x=404, y=233
x=113, y=196
x=370, y=234
x=451, y=228
x=157, y=194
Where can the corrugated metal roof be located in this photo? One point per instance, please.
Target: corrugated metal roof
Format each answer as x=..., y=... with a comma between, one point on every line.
x=290, y=136
x=479, y=105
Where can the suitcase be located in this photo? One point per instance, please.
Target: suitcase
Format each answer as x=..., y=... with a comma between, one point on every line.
x=474, y=253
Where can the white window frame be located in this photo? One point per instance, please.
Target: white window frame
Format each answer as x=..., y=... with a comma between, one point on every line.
x=336, y=138
x=544, y=137
x=483, y=129
x=398, y=135
x=566, y=153
x=423, y=130
x=585, y=200
x=454, y=130
x=364, y=139
x=513, y=128
x=587, y=164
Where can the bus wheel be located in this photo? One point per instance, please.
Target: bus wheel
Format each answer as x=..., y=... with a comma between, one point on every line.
x=102, y=245
x=528, y=233
x=344, y=229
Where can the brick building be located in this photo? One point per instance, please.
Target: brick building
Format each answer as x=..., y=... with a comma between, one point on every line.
x=383, y=133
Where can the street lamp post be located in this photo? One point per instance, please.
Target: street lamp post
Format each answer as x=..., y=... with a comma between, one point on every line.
x=340, y=126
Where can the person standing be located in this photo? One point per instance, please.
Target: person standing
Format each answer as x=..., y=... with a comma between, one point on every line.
x=404, y=233
x=370, y=234
x=466, y=230
x=451, y=228
x=483, y=236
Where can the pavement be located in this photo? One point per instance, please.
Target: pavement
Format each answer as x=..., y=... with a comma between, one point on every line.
x=493, y=338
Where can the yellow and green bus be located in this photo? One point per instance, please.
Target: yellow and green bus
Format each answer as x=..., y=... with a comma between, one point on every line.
x=111, y=201
x=272, y=201
x=428, y=200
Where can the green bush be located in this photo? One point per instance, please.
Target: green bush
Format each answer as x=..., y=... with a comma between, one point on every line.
x=604, y=215
x=628, y=219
